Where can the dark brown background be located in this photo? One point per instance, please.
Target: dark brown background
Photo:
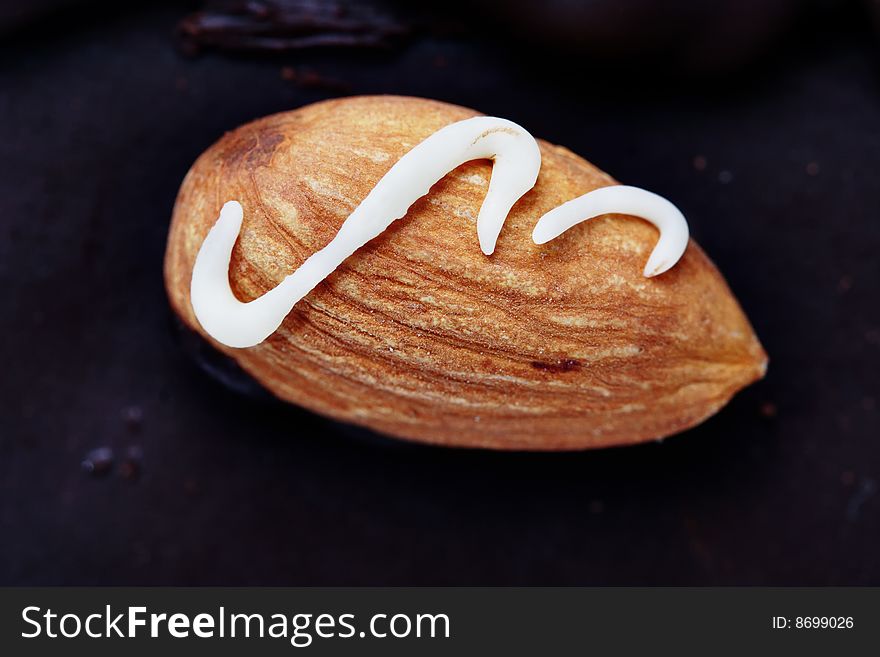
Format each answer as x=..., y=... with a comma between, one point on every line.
x=100, y=117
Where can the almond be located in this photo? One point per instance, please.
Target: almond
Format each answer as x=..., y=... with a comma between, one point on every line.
x=419, y=335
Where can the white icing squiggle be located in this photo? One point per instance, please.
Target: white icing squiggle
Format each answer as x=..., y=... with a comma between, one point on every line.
x=517, y=162
x=621, y=199
x=236, y=324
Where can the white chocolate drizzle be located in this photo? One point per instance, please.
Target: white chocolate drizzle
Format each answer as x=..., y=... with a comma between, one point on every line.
x=622, y=199
x=517, y=160
x=236, y=324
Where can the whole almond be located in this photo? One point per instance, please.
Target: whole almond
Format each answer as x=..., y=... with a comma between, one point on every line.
x=421, y=336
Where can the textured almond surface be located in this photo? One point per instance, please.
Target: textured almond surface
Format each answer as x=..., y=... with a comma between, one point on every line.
x=421, y=336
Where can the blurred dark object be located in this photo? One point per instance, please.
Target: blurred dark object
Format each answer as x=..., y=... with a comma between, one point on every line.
x=132, y=463
x=284, y=25
x=218, y=366
x=98, y=461
x=691, y=36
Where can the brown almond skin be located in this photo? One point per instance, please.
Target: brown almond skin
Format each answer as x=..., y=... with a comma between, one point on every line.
x=421, y=336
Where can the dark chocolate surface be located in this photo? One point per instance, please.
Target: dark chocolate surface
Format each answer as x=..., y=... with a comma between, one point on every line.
x=777, y=169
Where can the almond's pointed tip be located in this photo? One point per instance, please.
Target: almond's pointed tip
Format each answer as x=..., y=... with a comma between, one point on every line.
x=763, y=364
